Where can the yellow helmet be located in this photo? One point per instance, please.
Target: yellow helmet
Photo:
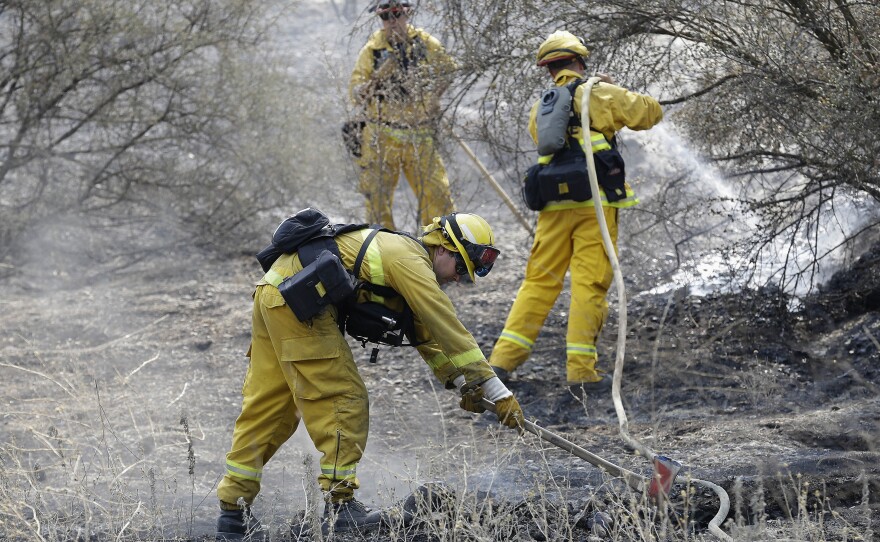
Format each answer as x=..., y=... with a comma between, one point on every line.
x=470, y=237
x=561, y=45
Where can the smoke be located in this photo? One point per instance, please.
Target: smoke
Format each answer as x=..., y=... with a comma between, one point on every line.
x=724, y=260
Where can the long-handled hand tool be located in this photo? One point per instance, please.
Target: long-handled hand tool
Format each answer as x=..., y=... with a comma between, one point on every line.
x=658, y=486
x=498, y=188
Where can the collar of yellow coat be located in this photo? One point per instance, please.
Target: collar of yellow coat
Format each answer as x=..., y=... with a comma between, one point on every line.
x=565, y=77
x=379, y=41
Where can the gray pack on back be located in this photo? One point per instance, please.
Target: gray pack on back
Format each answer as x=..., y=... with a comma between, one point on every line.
x=554, y=112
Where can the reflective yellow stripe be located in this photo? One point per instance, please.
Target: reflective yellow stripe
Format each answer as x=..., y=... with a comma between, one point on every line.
x=406, y=133
x=373, y=259
x=517, y=339
x=581, y=349
x=467, y=358
x=437, y=361
x=564, y=205
x=598, y=143
x=343, y=472
x=237, y=470
x=273, y=277
x=629, y=201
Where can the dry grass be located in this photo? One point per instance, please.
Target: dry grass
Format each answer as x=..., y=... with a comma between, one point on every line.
x=107, y=478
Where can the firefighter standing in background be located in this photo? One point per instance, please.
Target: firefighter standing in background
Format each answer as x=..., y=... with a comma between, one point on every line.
x=567, y=235
x=305, y=370
x=397, y=81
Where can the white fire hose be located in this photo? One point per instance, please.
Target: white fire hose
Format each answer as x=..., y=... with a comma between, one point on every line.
x=714, y=524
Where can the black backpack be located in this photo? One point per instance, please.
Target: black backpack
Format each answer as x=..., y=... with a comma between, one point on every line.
x=565, y=176
x=310, y=233
x=295, y=231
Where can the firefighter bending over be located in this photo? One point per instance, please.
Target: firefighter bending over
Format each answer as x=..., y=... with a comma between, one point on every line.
x=304, y=370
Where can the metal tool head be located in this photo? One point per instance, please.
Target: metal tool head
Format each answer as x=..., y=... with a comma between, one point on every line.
x=665, y=471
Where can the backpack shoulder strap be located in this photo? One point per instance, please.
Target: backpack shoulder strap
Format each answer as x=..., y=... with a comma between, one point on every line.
x=384, y=291
x=323, y=240
x=408, y=328
x=363, y=251
x=574, y=120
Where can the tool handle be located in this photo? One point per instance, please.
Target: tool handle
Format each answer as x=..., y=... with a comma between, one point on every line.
x=635, y=481
x=498, y=188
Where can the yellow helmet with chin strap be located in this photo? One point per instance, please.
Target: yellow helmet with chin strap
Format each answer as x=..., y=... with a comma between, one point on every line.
x=561, y=45
x=469, y=237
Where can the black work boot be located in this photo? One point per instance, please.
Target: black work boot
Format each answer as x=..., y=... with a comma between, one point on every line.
x=239, y=525
x=502, y=374
x=349, y=516
x=598, y=389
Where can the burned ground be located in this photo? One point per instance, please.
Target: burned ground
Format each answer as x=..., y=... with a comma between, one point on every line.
x=122, y=384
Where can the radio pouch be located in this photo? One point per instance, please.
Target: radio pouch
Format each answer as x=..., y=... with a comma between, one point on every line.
x=371, y=322
x=322, y=283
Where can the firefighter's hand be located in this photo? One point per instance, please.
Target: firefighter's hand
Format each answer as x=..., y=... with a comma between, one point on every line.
x=510, y=413
x=471, y=400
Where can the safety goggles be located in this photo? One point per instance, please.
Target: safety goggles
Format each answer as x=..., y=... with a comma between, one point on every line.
x=482, y=256
x=392, y=14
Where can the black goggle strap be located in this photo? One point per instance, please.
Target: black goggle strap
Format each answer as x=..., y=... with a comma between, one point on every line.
x=460, y=267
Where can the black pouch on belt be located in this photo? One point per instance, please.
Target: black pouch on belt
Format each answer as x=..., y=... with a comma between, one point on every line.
x=322, y=283
x=565, y=177
x=531, y=189
x=376, y=323
x=611, y=173
x=353, y=135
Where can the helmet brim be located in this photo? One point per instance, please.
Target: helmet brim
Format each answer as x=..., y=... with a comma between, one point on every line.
x=545, y=61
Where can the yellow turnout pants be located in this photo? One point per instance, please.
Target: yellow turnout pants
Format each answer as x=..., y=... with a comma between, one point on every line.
x=297, y=371
x=568, y=238
x=388, y=151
